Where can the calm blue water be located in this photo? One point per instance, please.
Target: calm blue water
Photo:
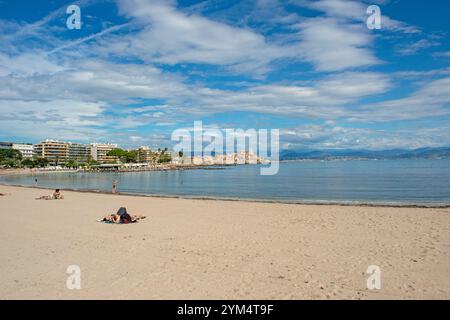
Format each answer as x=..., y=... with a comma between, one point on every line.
x=385, y=181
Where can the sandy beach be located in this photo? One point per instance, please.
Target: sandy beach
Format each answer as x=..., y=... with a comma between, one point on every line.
x=211, y=249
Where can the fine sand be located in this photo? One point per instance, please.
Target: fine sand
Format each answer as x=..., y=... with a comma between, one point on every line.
x=207, y=249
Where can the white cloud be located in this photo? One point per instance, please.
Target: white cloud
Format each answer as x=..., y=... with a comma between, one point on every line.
x=332, y=136
x=431, y=100
x=171, y=36
x=62, y=119
x=422, y=75
x=333, y=46
x=326, y=98
x=88, y=80
x=353, y=85
x=413, y=48
x=28, y=64
x=442, y=54
x=356, y=11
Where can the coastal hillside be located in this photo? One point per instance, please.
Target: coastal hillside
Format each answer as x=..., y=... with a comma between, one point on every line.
x=425, y=153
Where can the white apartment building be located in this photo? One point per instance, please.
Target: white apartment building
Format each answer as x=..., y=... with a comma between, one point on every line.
x=26, y=149
x=99, y=151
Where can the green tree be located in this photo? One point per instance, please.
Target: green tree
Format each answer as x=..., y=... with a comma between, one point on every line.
x=28, y=163
x=119, y=153
x=164, y=157
x=132, y=156
x=123, y=155
x=40, y=162
x=72, y=164
x=10, y=157
x=91, y=161
x=6, y=154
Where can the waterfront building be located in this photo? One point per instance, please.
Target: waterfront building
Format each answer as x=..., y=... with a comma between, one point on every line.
x=146, y=155
x=6, y=145
x=26, y=149
x=53, y=150
x=78, y=152
x=99, y=152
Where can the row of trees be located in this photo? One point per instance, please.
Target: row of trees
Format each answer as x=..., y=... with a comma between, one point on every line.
x=124, y=155
x=132, y=156
x=164, y=157
x=12, y=158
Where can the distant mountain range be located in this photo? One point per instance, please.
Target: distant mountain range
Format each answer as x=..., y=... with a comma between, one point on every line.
x=425, y=153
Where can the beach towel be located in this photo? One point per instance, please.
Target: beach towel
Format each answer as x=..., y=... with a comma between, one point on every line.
x=110, y=222
x=104, y=221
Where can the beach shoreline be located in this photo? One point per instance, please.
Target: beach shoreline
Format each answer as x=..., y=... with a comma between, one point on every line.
x=198, y=249
x=252, y=200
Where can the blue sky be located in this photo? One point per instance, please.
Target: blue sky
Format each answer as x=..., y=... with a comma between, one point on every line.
x=139, y=69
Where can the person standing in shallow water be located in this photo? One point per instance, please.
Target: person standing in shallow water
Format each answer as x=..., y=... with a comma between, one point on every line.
x=114, y=186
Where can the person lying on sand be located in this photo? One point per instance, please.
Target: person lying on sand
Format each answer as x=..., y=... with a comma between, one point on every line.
x=5, y=194
x=56, y=195
x=122, y=216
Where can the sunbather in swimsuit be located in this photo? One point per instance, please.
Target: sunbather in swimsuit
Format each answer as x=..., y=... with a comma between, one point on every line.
x=55, y=196
x=122, y=216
